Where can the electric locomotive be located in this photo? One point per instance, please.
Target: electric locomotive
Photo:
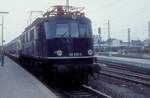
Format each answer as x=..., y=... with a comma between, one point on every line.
x=62, y=41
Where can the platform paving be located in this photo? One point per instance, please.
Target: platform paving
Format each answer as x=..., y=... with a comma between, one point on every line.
x=15, y=82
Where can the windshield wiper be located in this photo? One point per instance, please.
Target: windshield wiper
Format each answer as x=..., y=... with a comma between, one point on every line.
x=63, y=35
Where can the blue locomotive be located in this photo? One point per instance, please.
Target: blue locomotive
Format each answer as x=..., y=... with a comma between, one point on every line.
x=60, y=43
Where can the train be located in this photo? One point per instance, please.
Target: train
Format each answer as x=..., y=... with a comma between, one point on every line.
x=60, y=43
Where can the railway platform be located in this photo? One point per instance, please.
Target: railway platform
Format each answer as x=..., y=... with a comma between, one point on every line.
x=15, y=82
x=124, y=60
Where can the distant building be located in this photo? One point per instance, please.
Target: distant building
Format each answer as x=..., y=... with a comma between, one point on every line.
x=124, y=44
x=137, y=43
x=109, y=43
x=97, y=40
x=146, y=43
x=115, y=43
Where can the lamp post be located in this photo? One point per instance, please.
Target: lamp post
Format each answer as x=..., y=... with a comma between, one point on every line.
x=99, y=38
x=67, y=5
x=31, y=13
x=109, y=39
x=2, y=48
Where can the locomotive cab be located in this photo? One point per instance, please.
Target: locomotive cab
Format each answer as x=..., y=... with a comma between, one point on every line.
x=69, y=38
x=64, y=36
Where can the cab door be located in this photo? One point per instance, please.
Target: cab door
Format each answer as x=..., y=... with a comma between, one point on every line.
x=40, y=40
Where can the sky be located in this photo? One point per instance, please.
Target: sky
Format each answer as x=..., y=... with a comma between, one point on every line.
x=123, y=14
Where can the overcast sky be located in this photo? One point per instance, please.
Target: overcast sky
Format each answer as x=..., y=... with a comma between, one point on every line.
x=121, y=13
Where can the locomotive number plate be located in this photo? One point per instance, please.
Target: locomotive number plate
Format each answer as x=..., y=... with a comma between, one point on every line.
x=75, y=54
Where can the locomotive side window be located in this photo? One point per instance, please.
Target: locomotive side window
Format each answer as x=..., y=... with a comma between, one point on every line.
x=23, y=37
x=35, y=33
x=29, y=36
x=74, y=30
x=49, y=30
x=26, y=36
x=84, y=31
x=32, y=35
x=62, y=30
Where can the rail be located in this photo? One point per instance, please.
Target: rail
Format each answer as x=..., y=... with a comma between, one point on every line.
x=83, y=92
x=98, y=93
x=132, y=68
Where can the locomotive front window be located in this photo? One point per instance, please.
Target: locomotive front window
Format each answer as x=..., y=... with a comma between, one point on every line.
x=74, y=30
x=62, y=30
x=49, y=29
x=84, y=30
x=65, y=30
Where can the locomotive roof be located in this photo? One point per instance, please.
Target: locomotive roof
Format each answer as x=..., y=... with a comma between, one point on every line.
x=57, y=18
x=61, y=12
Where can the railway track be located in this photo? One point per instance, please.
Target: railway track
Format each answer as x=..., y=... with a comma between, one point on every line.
x=124, y=73
x=132, y=68
x=83, y=92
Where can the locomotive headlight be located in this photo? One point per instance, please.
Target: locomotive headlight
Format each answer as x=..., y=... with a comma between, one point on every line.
x=90, y=52
x=59, y=52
